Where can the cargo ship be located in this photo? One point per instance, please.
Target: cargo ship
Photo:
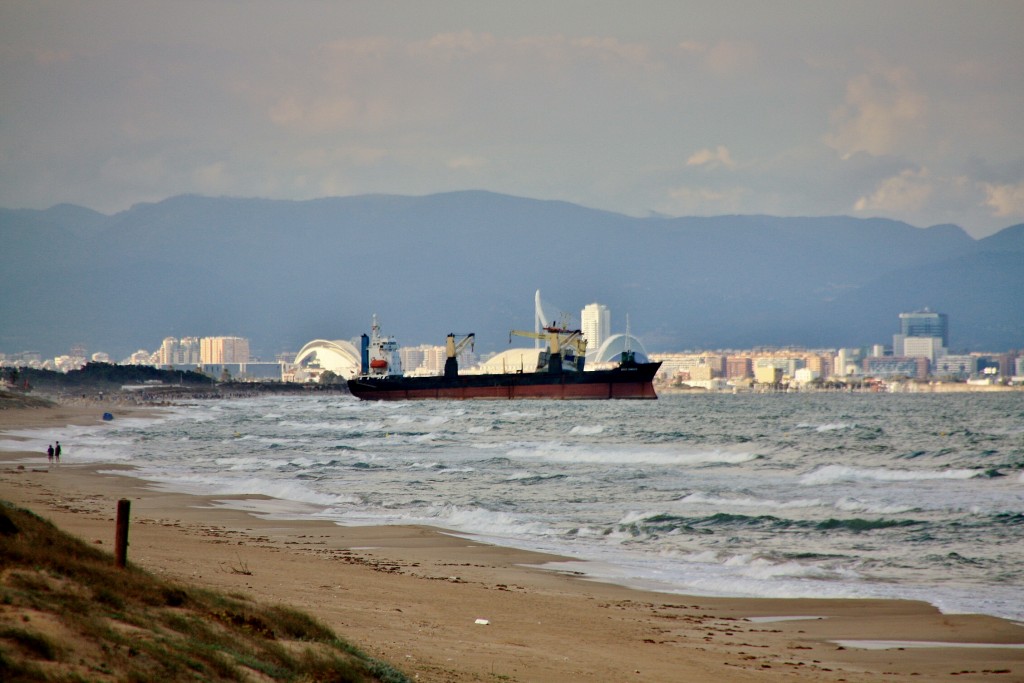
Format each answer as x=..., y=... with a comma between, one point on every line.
x=559, y=374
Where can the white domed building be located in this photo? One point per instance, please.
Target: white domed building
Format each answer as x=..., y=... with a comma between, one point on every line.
x=510, y=360
x=320, y=355
x=611, y=350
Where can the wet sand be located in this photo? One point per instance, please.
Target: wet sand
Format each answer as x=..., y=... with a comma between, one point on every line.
x=413, y=595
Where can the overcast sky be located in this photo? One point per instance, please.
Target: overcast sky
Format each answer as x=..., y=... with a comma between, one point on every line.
x=912, y=110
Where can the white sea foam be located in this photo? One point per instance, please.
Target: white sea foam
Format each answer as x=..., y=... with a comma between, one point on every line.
x=587, y=430
x=633, y=517
x=213, y=484
x=478, y=520
x=854, y=505
x=828, y=427
x=457, y=466
x=559, y=452
x=930, y=644
x=831, y=474
x=701, y=498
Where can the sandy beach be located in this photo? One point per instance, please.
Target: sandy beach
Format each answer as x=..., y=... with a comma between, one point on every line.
x=415, y=596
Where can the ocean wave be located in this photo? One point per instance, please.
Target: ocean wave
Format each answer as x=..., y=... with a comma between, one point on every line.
x=638, y=524
x=202, y=484
x=858, y=525
x=559, y=452
x=481, y=521
x=529, y=478
x=827, y=427
x=645, y=488
x=854, y=505
x=831, y=474
x=587, y=430
x=700, y=498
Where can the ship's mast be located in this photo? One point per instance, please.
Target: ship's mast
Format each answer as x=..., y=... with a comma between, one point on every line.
x=540, y=321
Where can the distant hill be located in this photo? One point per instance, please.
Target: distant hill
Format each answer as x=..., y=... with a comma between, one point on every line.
x=283, y=273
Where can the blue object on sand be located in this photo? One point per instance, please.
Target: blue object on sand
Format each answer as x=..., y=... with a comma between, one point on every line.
x=108, y=417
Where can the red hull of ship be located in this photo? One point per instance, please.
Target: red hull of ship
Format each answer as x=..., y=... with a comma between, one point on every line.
x=633, y=390
x=633, y=381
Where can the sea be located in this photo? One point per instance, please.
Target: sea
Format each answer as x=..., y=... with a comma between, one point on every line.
x=821, y=495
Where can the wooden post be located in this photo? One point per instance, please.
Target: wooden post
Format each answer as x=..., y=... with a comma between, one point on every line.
x=121, y=540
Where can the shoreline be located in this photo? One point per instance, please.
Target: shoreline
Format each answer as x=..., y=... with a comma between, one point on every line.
x=412, y=594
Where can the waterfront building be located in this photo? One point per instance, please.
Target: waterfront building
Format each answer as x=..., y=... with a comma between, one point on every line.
x=846, y=362
x=766, y=373
x=320, y=355
x=819, y=363
x=922, y=334
x=673, y=364
x=924, y=347
x=787, y=365
x=220, y=350
x=243, y=372
x=805, y=376
x=955, y=366
x=179, y=352
x=596, y=324
x=925, y=324
x=739, y=367
x=888, y=367
x=413, y=357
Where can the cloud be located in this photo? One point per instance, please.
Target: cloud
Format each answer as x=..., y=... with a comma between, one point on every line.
x=454, y=46
x=1005, y=200
x=908, y=191
x=212, y=178
x=712, y=157
x=882, y=114
x=469, y=163
x=724, y=57
x=703, y=200
x=612, y=49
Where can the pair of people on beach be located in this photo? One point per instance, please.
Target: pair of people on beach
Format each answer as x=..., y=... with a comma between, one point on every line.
x=53, y=454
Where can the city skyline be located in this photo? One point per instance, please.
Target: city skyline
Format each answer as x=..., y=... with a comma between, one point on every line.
x=908, y=111
x=919, y=350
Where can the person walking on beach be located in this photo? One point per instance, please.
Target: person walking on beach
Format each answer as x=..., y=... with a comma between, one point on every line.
x=49, y=453
x=56, y=453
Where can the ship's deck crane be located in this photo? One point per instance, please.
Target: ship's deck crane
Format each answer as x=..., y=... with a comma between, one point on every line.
x=452, y=349
x=557, y=339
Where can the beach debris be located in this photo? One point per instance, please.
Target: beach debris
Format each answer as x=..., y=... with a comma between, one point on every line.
x=483, y=622
x=107, y=417
x=241, y=568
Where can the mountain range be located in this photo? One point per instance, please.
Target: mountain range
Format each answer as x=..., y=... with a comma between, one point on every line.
x=285, y=272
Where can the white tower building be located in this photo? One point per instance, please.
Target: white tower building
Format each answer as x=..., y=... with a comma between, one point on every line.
x=596, y=323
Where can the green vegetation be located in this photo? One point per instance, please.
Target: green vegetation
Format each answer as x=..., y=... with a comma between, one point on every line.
x=67, y=614
x=105, y=376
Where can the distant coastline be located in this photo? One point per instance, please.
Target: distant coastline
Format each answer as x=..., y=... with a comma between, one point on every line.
x=912, y=388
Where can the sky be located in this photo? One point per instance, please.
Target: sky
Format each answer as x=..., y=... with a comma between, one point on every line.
x=905, y=109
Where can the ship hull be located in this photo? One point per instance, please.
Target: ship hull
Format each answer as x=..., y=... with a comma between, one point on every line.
x=633, y=382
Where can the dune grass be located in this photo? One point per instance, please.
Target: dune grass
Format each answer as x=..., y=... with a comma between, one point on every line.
x=68, y=614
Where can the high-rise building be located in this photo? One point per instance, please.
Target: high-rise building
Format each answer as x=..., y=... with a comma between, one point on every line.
x=923, y=347
x=178, y=352
x=738, y=367
x=923, y=334
x=219, y=350
x=596, y=324
x=925, y=324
